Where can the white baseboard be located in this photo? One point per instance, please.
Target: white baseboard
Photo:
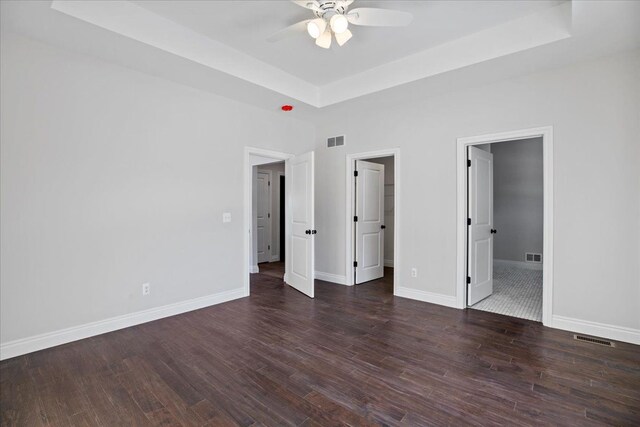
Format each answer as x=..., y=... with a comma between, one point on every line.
x=275, y=258
x=63, y=336
x=254, y=269
x=433, y=298
x=521, y=264
x=333, y=278
x=388, y=263
x=602, y=330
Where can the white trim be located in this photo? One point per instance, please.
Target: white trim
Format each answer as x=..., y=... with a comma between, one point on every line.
x=617, y=333
x=351, y=162
x=63, y=336
x=254, y=269
x=269, y=214
x=519, y=264
x=247, y=217
x=430, y=297
x=547, y=275
x=388, y=263
x=333, y=278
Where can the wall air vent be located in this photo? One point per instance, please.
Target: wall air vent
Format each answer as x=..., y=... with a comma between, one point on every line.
x=532, y=257
x=335, y=141
x=593, y=340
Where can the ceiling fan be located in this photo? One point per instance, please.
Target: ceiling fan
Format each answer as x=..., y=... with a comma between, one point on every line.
x=332, y=18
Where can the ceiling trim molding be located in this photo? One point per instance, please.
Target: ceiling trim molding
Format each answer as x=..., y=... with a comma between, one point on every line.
x=135, y=22
x=548, y=26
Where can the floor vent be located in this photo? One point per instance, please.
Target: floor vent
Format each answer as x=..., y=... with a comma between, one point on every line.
x=592, y=340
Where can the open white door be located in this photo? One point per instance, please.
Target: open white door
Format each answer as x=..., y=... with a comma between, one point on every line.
x=480, y=226
x=300, y=254
x=369, y=221
x=263, y=217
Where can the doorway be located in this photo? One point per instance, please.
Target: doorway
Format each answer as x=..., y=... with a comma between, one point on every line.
x=372, y=218
x=505, y=211
x=505, y=208
x=299, y=232
x=269, y=215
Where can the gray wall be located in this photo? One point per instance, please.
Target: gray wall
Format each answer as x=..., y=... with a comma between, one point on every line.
x=517, y=198
x=112, y=178
x=593, y=108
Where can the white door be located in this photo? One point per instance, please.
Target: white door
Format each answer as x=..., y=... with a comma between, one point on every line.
x=263, y=217
x=369, y=221
x=300, y=251
x=480, y=226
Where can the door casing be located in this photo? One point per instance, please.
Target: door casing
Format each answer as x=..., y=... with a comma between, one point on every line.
x=546, y=133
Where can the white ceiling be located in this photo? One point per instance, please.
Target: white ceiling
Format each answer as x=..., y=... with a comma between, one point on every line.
x=245, y=26
x=220, y=47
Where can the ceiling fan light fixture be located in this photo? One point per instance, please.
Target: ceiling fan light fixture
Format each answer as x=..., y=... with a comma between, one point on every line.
x=343, y=37
x=316, y=27
x=339, y=23
x=324, y=41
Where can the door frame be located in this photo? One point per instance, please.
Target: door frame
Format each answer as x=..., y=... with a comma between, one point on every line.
x=350, y=204
x=276, y=156
x=270, y=213
x=547, y=153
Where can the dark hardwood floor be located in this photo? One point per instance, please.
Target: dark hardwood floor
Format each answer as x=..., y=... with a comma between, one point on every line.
x=353, y=356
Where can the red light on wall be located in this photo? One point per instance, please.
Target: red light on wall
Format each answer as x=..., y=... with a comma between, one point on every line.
x=287, y=107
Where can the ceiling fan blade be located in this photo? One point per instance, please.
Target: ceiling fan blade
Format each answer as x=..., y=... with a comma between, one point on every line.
x=307, y=4
x=289, y=31
x=379, y=17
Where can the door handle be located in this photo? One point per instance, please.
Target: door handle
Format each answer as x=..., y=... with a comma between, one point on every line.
x=383, y=227
x=314, y=231
x=307, y=231
x=494, y=231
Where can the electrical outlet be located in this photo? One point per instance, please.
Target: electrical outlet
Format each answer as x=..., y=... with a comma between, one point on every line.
x=146, y=289
x=414, y=272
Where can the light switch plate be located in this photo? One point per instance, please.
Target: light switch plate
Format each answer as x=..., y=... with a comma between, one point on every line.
x=226, y=217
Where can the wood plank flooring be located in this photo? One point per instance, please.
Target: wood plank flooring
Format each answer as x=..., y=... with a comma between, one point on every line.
x=353, y=356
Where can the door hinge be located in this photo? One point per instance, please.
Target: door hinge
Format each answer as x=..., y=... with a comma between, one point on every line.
x=468, y=221
x=355, y=173
x=268, y=215
x=269, y=247
x=468, y=163
x=468, y=280
x=355, y=263
x=269, y=183
x=355, y=218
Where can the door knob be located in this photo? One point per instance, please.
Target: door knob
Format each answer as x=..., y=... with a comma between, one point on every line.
x=383, y=227
x=307, y=231
x=494, y=231
x=314, y=231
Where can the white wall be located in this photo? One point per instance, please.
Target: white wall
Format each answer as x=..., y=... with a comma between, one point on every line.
x=517, y=198
x=112, y=178
x=593, y=108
